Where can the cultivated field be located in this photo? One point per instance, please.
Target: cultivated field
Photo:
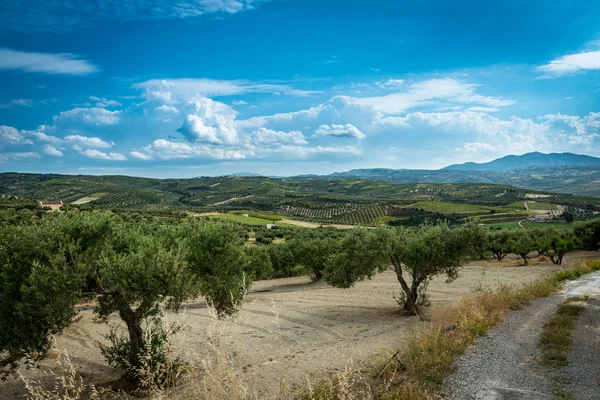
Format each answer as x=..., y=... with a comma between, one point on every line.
x=290, y=330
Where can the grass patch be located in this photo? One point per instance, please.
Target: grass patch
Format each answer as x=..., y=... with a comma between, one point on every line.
x=557, y=336
x=418, y=370
x=448, y=208
x=534, y=205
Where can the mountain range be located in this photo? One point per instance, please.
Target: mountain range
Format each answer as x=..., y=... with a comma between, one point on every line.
x=555, y=172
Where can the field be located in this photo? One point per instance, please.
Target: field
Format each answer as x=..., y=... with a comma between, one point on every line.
x=319, y=200
x=448, y=208
x=292, y=329
x=536, y=206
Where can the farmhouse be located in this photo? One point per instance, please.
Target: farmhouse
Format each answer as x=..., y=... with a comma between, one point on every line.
x=54, y=205
x=540, y=218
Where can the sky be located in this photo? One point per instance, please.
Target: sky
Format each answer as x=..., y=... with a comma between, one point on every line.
x=168, y=89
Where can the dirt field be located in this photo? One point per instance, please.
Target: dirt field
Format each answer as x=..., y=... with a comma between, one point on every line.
x=293, y=329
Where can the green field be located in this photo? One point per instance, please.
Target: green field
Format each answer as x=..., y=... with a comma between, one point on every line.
x=548, y=225
x=517, y=204
x=242, y=219
x=251, y=220
x=505, y=225
x=535, y=206
x=448, y=208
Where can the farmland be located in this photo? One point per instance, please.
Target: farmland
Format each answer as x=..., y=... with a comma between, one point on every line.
x=320, y=200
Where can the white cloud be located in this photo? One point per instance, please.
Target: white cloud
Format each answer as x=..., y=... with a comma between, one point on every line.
x=60, y=63
x=428, y=92
x=52, y=151
x=347, y=130
x=212, y=122
x=390, y=83
x=88, y=116
x=85, y=141
x=101, y=102
x=483, y=109
x=10, y=135
x=268, y=137
x=140, y=156
x=166, y=108
x=18, y=156
x=91, y=153
x=65, y=15
x=570, y=64
x=182, y=90
x=239, y=103
x=17, y=102
x=163, y=149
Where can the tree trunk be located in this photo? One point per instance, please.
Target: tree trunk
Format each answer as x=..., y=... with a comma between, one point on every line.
x=525, y=258
x=410, y=305
x=136, y=336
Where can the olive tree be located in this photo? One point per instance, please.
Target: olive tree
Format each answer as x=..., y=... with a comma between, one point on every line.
x=43, y=269
x=559, y=245
x=588, y=234
x=416, y=256
x=521, y=243
x=498, y=244
x=312, y=254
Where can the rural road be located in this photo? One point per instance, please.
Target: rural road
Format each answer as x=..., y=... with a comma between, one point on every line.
x=521, y=223
x=502, y=366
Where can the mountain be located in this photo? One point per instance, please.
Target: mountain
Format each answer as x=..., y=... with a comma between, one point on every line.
x=536, y=159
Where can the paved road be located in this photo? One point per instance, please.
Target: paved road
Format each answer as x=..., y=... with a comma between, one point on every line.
x=502, y=365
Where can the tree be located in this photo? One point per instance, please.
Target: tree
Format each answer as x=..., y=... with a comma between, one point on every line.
x=420, y=253
x=521, y=243
x=561, y=244
x=42, y=277
x=589, y=234
x=498, y=244
x=313, y=254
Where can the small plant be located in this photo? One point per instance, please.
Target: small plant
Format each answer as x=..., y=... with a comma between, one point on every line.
x=156, y=368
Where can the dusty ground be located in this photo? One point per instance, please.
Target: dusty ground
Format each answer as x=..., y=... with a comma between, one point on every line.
x=291, y=329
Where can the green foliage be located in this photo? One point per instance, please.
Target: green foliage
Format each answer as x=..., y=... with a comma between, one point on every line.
x=589, y=234
x=498, y=243
x=521, y=243
x=41, y=280
x=313, y=254
x=421, y=253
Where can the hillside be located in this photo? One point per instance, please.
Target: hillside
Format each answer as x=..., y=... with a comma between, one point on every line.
x=333, y=200
x=525, y=161
x=578, y=180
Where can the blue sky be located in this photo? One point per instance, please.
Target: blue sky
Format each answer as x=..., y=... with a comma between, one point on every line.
x=282, y=87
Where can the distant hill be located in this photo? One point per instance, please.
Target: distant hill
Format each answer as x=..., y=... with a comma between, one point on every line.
x=536, y=159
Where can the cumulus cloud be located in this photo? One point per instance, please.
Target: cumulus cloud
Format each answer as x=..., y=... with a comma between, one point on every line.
x=88, y=116
x=10, y=135
x=270, y=137
x=84, y=141
x=163, y=149
x=92, y=153
x=570, y=64
x=47, y=63
x=166, y=108
x=50, y=150
x=212, y=122
x=347, y=130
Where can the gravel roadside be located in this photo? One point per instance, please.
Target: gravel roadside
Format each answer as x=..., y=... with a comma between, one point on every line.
x=502, y=365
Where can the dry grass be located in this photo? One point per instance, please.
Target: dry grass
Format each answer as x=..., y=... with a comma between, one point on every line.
x=418, y=371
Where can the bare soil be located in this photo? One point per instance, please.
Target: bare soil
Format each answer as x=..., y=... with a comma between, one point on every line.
x=291, y=330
